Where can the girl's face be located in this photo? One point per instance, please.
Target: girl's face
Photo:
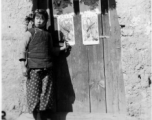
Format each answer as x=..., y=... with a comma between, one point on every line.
x=39, y=21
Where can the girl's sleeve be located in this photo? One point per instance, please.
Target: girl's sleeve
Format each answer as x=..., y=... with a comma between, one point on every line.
x=23, y=46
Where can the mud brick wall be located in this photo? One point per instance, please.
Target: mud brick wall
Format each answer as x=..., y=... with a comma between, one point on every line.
x=134, y=18
x=13, y=84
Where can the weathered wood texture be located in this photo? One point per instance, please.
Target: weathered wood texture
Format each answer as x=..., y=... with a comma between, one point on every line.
x=79, y=69
x=96, y=75
x=115, y=94
x=115, y=33
x=62, y=7
x=86, y=5
x=109, y=79
x=89, y=78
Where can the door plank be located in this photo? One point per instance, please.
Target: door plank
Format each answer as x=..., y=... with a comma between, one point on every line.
x=115, y=94
x=96, y=75
x=108, y=70
x=79, y=69
x=116, y=35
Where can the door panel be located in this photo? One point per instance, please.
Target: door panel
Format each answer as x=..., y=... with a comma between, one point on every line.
x=79, y=70
x=96, y=75
x=96, y=78
x=85, y=71
x=115, y=93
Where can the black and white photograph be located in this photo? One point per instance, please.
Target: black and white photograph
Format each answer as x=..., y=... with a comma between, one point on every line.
x=76, y=60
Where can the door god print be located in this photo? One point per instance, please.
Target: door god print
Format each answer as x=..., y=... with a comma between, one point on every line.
x=90, y=30
x=66, y=28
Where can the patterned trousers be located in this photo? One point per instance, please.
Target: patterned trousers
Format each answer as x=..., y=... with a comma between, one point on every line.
x=40, y=92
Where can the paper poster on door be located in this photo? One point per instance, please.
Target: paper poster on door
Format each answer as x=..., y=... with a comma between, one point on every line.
x=66, y=28
x=90, y=5
x=90, y=30
x=61, y=7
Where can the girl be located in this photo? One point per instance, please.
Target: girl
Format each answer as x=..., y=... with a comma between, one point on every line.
x=36, y=61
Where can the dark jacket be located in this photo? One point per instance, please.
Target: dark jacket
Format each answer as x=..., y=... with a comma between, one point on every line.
x=38, y=50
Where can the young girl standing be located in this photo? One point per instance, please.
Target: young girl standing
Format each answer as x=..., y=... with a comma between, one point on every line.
x=36, y=60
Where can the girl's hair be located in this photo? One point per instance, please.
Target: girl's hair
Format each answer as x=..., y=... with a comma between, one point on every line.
x=42, y=12
x=37, y=12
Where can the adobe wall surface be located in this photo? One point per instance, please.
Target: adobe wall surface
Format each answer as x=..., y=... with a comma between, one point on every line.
x=134, y=17
x=13, y=84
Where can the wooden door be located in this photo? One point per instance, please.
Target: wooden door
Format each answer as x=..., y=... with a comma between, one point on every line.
x=80, y=73
x=88, y=78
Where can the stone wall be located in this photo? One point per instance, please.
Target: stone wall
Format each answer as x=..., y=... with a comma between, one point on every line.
x=134, y=18
x=13, y=95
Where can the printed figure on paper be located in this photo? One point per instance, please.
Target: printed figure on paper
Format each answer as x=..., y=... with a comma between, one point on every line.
x=62, y=6
x=90, y=29
x=90, y=5
x=66, y=27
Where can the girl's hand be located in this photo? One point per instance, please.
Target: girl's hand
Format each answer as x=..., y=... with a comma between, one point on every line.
x=65, y=46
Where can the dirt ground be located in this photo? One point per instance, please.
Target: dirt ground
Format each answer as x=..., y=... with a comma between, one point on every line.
x=134, y=18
